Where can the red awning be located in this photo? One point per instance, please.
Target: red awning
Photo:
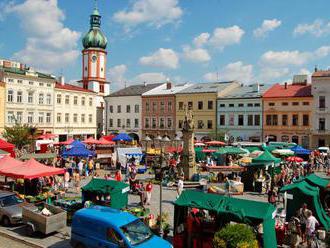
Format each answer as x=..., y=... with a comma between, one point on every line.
x=109, y=137
x=31, y=169
x=294, y=159
x=66, y=143
x=91, y=141
x=105, y=142
x=215, y=143
x=8, y=162
x=8, y=147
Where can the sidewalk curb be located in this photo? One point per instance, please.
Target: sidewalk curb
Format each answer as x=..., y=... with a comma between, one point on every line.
x=22, y=240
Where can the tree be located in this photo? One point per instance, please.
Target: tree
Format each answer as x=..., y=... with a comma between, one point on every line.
x=20, y=135
x=217, y=135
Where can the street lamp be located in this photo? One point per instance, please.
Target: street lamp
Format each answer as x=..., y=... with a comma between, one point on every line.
x=161, y=142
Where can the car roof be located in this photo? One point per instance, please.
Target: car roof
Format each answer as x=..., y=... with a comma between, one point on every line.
x=5, y=193
x=107, y=215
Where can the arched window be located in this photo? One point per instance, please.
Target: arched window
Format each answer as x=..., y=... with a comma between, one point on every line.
x=285, y=138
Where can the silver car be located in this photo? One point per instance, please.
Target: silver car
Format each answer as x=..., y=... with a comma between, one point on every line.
x=10, y=208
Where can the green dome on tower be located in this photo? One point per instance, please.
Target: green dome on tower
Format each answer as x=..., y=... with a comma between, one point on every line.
x=95, y=37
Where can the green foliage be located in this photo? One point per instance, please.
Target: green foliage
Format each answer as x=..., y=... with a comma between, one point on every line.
x=217, y=135
x=235, y=236
x=20, y=135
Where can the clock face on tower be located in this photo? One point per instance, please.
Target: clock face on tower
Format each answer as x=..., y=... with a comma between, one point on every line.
x=94, y=58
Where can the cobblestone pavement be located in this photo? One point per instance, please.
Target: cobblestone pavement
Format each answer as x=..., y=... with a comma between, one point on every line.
x=6, y=242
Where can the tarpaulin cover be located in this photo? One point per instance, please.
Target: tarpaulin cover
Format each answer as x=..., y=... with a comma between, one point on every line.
x=300, y=193
x=8, y=162
x=31, y=169
x=246, y=211
x=118, y=191
x=78, y=151
x=8, y=147
x=266, y=158
x=300, y=150
x=77, y=143
x=122, y=137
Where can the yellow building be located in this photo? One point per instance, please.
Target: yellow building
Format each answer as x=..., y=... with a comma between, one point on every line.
x=202, y=100
x=2, y=106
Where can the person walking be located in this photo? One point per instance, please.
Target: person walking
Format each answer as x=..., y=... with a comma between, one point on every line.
x=148, y=192
x=76, y=179
x=66, y=180
x=311, y=225
x=302, y=215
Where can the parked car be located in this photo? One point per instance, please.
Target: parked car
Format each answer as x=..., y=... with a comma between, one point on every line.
x=10, y=208
x=100, y=226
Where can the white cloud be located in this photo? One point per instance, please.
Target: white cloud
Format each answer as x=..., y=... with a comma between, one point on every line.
x=165, y=58
x=150, y=77
x=50, y=45
x=272, y=73
x=117, y=74
x=233, y=71
x=317, y=28
x=266, y=27
x=201, y=39
x=196, y=55
x=154, y=12
x=223, y=37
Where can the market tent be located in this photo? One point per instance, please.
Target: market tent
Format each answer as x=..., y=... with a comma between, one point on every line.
x=38, y=156
x=118, y=191
x=109, y=137
x=78, y=151
x=199, y=155
x=91, y=141
x=47, y=136
x=299, y=150
x=233, y=209
x=300, y=193
x=252, y=148
x=283, y=152
x=8, y=147
x=265, y=158
x=8, y=162
x=231, y=150
x=77, y=143
x=315, y=180
x=31, y=169
x=122, y=154
x=104, y=142
x=122, y=137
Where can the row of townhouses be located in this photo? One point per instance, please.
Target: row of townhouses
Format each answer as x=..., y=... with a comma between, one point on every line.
x=289, y=112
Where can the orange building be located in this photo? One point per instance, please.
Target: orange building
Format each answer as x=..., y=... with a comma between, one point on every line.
x=287, y=113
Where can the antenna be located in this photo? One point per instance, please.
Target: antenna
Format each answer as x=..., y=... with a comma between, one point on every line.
x=95, y=4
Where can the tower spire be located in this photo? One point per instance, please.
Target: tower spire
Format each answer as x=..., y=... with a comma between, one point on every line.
x=95, y=4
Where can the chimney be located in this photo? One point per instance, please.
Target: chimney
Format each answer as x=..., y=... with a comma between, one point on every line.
x=315, y=68
x=285, y=85
x=256, y=87
x=61, y=80
x=168, y=85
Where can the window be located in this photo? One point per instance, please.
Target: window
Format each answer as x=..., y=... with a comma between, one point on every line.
x=41, y=117
x=75, y=118
x=59, y=98
x=30, y=117
x=10, y=96
x=169, y=106
x=294, y=120
x=67, y=118
x=257, y=120
x=200, y=105
x=90, y=118
x=83, y=101
x=101, y=88
x=154, y=107
x=146, y=123
x=49, y=99
x=169, y=123
x=58, y=117
x=305, y=120
x=147, y=107
x=118, y=108
x=285, y=104
x=180, y=105
x=67, y=99
x=180, y=123
x=113, y=237
x=295, y=139
x=321, y=124
x=75, y=100
x=90, y=101
x=222, y=105
x=119, y=123
x=209, y=124
x=321, y=102
x=30, y=83
x=41, y=84
x=136, y=123
x=190, y=105
x=41, y=98
x=284, y=120
x=111, y=109
x=19, y=117
x=128, y=123
x=128, y=108
x=161, y=122
x=19, y=96
x=30, y=97
x=271, y=104
x=240, y=120
x=231, y=105
x=48, y=117
x=285, y=138
x=162, y=106
x=210, y=104
x=154, y=122
x=305, y=103
x=137, y=108
x=10, y=80
x=249, y=105
x=49, y=85
x=274, y=122
x=110, y=122
x=257, y=105
x=10, y=117
x=250, y=120
x=200, y=124
x=19, y=81
x=295, y=103
x=271, y=120
x=222, y=120
x=240, y=105
x=82, y=118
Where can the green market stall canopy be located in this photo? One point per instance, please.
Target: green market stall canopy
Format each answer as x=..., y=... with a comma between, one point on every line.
x=266, y=158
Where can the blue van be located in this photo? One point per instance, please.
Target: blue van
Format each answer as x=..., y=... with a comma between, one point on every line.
x=106, y=227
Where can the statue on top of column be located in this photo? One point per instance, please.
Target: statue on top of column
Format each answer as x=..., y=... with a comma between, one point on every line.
x=188, y=123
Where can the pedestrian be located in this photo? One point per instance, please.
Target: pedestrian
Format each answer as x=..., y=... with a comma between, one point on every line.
x=302, y=215
x=76, y=179
x=118, y=176
x=311, y=225
x=179, y=186
x=66, y=180
x=91, y=166
x=148, y=192
x=80, y=167
x=272, y=196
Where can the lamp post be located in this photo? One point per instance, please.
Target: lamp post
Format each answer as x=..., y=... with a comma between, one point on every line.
x=162, y=141
x=147, y=139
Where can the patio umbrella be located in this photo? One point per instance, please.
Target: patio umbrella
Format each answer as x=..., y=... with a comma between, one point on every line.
x=283, y=152
x=77, y=143
x=215, y=143
x=294, y=159
x=300, y=150
x=122, y=137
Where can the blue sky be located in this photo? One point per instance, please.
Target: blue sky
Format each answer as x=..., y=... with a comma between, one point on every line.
x=183, y=40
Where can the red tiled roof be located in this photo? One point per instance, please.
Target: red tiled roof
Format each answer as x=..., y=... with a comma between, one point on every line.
x=292, y=90
x=321, y=74
x=71, y=87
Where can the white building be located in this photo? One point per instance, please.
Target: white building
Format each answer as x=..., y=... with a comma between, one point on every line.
x=124, y=110
x=321, y=109
x=29, y=96
x=75, y=112
x=239, y=113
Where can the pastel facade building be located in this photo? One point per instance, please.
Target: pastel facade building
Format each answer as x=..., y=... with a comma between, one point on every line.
x=201, y=99
x=288, y=113
x=239, y=113
x=2, y=105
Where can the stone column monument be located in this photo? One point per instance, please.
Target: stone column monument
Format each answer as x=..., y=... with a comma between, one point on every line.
x=188, y=153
